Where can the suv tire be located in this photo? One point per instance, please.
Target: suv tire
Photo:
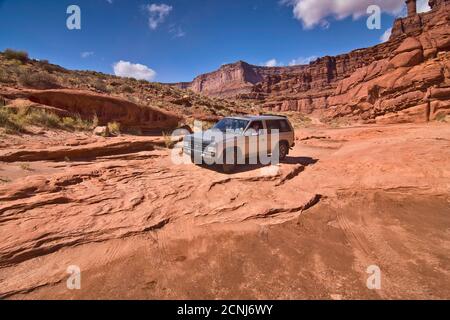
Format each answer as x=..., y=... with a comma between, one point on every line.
x=281, y=151
x=231, y=167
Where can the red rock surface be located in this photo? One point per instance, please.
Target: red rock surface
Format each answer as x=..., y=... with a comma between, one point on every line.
x=106, y=108
x=140, y=226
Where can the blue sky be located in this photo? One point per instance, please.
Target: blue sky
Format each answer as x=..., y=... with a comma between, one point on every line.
x=180, y=39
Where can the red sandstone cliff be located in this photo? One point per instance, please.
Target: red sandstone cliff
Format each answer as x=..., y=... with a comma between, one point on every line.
x=404, y=79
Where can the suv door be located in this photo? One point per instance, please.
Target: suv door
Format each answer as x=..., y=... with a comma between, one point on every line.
x=284, y=131
x=273, y=140
x=256, y=142
x=287, y=132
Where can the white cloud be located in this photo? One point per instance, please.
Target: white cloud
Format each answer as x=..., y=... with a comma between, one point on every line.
x=386, y=35
x=157, y=14
x=314, y=13
x=176, y=32
x=422, y=6
x=133, y=70
x=87, y=54
x=302, y=60
x=271, y=63
x=109, y=1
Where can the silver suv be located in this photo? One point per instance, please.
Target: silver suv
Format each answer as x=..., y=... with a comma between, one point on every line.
x=242, y=140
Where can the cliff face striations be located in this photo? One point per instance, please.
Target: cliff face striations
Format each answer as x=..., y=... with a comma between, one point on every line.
x=406, y=79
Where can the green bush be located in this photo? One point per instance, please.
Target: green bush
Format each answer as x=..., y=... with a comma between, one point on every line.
x=21, y=56
x=40, y=80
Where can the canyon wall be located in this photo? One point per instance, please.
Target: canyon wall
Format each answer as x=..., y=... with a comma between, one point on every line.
x=405, y=79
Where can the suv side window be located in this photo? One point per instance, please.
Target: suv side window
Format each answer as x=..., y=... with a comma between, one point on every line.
x=273, y=125
x=284, y=126
x=256, y=127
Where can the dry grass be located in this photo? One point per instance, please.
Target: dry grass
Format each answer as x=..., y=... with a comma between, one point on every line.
x=114, y=128
x=4, y=180
x=10, y=121
x=17, y=121
x=168, y=141
x=441, y=117
x=298, y=120
x=21, y=56
x=4, y=76
x=40, y=80
x=26, y=167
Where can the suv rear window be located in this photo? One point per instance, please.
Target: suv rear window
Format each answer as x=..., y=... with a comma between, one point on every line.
x=280, y=125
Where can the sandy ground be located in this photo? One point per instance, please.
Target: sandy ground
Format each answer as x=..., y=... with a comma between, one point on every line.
x=141, y=227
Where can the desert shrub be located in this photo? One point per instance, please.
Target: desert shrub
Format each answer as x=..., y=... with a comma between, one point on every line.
x=441, y=117
x=100, y=86
x=40, y=80
x=168, y=141
x=134, y=131
x=77, y=123
x=43, y=119
x=16, y=121
x=4, y=76
x=50, y=68
x=143, y=82
x=4, y=180
x=26, y=167
x=69, y=123
x=83, y=125
x=95, y=121
x=126, y=88
x=10, y=121
x=114, y=128
x=21, y=56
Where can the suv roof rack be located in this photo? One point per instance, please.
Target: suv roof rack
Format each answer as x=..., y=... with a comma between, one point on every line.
x=272, y=115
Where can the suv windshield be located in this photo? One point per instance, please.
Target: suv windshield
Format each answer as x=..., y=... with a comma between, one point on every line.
x=231, y=125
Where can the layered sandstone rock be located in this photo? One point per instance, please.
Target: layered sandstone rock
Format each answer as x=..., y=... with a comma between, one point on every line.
x=106, y=108
x=365, y=84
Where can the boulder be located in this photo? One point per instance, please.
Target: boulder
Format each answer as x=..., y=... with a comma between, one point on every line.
x=102, y=131
x=409, y=44
x=417, y=114
x=106, y=108
x=407, y=59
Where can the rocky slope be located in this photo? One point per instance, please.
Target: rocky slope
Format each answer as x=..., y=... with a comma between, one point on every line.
x=405, y=79
x=134, y=104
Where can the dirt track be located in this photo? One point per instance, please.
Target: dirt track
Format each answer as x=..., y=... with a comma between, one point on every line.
x=142, y=227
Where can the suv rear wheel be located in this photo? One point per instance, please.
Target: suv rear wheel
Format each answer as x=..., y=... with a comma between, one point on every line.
x=282, y=151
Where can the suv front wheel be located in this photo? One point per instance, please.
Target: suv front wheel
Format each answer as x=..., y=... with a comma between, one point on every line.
x=230, y=167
